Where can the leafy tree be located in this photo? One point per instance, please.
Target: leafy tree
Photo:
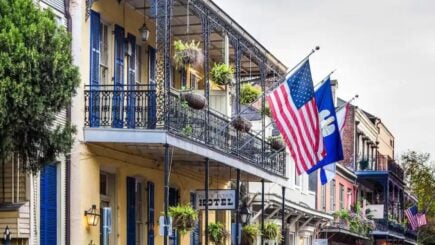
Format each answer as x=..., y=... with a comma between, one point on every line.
x=37, y=81
x=420, y=172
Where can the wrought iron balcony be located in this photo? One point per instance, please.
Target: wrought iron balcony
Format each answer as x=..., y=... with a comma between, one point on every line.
x=390, y=226
x=134, y=107
x=383, y=164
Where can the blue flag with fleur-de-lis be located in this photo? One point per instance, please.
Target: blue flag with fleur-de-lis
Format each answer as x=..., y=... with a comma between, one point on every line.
x=330, y=132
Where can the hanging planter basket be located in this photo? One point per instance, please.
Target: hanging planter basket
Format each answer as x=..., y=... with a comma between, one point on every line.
x=188, y=54
x=242, y=124
x=184, y=218
x=195, y=101
x=222, y=74
x=277, y=143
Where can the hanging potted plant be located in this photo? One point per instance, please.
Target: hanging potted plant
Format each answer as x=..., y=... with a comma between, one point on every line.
x=193, y=100
x=184, y=218
x=250, y=234
x=249, y=93
x=277, y=143
x=217, y=233
x=222, y=74
x=187, y=54
x=242, y=124
x=272, y=233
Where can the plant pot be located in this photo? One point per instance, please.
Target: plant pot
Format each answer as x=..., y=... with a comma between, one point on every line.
x=242, y=124
x=246, y=239
x=277, y=144
x=192, y=57
x=195, y=101
x=178, y=222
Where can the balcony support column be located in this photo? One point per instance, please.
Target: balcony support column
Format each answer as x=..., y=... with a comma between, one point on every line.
x=206, y=186
x=263, y=109
x=283, y=221
x=262, y=210
x=206, y=29
x=237, y=206
x=163, y=60
x=166, y=192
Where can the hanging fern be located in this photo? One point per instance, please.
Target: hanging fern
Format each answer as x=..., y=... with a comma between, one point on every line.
x=222, y=73
x=249, y=93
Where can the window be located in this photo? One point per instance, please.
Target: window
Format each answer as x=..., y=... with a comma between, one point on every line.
x=104, y=54
x=349, y=197
x=138, y=64
x=341, y=196
x=332, y=195
x=323, y=197
x=297, y=179
x=312, y=181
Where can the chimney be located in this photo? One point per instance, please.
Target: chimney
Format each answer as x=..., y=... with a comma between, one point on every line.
x=334, y=86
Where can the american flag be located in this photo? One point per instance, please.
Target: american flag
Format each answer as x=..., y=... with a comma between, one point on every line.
x=411, y=213
x=294, y=111
x=421, y=219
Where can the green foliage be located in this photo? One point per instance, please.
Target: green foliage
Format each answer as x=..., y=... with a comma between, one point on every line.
x=249, y=93
x=217, y=233
x=183, y=218
x=187, y=130
x=222, y=73
x=272, y=231
x=420, y=172
x=187, y=54
x=37, y=81
x=250, y=233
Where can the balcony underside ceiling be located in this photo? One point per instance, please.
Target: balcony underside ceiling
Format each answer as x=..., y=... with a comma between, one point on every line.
x=186, y=26
x=184, y=154
x=294, y=212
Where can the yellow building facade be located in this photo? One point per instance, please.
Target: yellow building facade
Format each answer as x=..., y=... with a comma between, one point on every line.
x=120, y=168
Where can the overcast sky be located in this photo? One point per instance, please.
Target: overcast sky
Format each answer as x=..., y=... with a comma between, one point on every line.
x=383, y=50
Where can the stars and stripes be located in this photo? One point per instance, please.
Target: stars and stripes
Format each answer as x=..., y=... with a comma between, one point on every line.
x=421, y=219
x=411, y=215
x=295, y=113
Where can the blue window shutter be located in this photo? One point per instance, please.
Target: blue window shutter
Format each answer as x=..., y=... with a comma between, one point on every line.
x=150, y=202
x=94, y=73
x=174, y=199
x=131, y=96
x=118, y=93
x=194, y=235
x=152, y=99
x=48, y=205
x=131, y=211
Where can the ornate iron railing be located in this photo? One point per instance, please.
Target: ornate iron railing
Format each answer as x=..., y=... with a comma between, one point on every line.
x=190, y=123
x=391, y=226
x=120, y=106
x=134, y=106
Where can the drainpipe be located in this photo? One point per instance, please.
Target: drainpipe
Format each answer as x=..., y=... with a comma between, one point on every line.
x=68, y=157
x=75, y=231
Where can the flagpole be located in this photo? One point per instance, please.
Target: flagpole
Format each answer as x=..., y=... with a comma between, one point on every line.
x=324, y=79
x=270, y=89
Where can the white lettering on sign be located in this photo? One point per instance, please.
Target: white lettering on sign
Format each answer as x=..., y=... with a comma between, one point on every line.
x=217, y=199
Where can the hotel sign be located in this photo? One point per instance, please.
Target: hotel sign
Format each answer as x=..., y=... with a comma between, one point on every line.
x=217, y=200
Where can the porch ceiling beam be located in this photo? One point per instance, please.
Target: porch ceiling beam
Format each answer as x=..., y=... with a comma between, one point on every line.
x=259, y=212
x=295, y=220
x=305, y=223
x=273, y=212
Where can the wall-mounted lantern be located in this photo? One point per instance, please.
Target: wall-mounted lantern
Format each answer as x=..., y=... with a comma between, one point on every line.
x=245, y=215
x=92, y=217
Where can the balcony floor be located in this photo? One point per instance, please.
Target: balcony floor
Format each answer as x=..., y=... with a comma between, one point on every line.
x=150, y=143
